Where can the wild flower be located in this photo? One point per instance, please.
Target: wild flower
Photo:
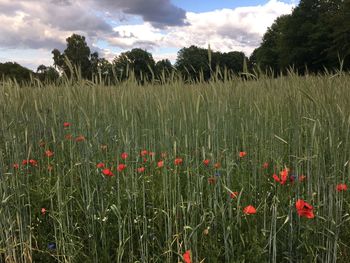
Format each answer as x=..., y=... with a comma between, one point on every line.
x=121, y=167
x=178, y=161
x=160, y=164
x=66, y=124
x=206, y=162
x=187, y=256
x=304, y=209
x=49, y=153
x=242, y=154
x=342, y=187
x=100, y=165
x=107, y=172
x=249, y=210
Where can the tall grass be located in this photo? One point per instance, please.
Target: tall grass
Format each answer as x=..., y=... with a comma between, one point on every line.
x=301, y=123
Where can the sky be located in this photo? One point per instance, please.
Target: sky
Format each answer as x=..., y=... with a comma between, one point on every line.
x=31, y=29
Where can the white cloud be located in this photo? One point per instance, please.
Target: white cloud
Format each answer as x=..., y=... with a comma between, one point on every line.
x=239, y=29
x=37, y=24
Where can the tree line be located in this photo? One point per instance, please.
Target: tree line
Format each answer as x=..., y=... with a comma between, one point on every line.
x=314, y=38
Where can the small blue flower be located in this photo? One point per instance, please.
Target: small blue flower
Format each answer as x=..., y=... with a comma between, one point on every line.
x=217, y=174
x=51, y=246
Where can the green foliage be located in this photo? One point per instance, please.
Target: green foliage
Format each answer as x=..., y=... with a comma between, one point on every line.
x=47, y=74
x=314, y=37
x=15, y=71
x=198, y=64
x=163, y=70
x=78, y=54
x=138, y=62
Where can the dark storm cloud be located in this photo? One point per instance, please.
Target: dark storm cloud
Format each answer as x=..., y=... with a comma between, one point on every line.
x=160, y=13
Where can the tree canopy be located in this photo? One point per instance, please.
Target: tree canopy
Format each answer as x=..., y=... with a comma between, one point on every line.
x=13, y=70
x=314, y=37
x=138, y=61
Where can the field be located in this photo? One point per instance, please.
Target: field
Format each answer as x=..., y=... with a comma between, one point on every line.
x=222, y=170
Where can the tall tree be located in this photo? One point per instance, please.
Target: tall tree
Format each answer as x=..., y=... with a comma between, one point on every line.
x=45, y=73
x=311, y=38
x=137, y=61
x=193, y=61
x=77, y=52
x=163, y=69
x=267, y=56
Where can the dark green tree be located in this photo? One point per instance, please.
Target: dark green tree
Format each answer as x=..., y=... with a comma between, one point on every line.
x=310, y=39
x=45, y=73
x=340, y=21
x=138, y=62
x=192, y=62
x=78, y=53
x=12, y=70
x=163, y=69
x=267, y=56
x=233, y=61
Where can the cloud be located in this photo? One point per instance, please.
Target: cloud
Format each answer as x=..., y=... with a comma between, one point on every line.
x=160, y=13
x=37, y=24
x=46, y=24
x=238, y=29
x=23, y=32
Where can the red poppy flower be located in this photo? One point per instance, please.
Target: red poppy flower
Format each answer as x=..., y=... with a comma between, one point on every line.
x=276, y=178
x=304, y=209
x=187, y=256
x=80, y=138
x=242, y=154
x=66, y=124
x=206, y=162
x=234, y=195
x=121, y=167
x=144, y=153
x=124, y=155
x=217, y=165
x=100, y=165
x=282, y=179
x=284, y=175
x=342, y=187
x=160, y=164
x=249, y=210
x=49, y=153
x=107, y=172
x=178, y=161
x=141, y=169
x=15, y=166
x=302, y=178
x=43, y=211
x=265, y=165
x=33, y=162
x=24, y=162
